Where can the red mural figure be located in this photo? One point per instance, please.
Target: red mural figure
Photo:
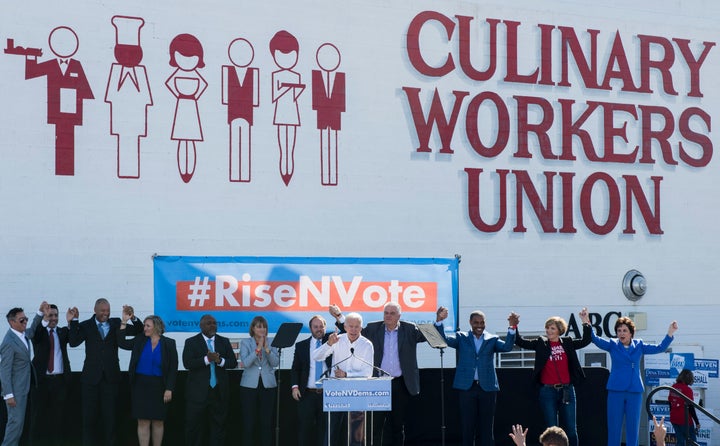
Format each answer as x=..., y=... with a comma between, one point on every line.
x=328, y=99
x=187, y=85
x=67, y=87
x=241, y=93
x=129, y=96
x=286, y=89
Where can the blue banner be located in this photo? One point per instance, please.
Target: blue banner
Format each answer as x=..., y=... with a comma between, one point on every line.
x=293, y=289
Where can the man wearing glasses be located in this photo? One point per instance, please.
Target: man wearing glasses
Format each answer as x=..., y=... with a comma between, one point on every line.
x=15, y=374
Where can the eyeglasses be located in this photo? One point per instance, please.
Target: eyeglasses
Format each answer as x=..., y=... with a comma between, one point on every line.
x=22, y=320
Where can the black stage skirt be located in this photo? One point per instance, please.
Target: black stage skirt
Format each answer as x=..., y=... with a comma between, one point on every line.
x=147, y=398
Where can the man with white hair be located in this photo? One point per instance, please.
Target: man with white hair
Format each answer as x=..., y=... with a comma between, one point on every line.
x=353, y=355
x=395, y=352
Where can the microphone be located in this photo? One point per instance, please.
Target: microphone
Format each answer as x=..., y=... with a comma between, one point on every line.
x=380, y=371
x=326, y=374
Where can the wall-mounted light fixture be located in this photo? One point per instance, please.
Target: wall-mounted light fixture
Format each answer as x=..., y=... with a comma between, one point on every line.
x=634, y=285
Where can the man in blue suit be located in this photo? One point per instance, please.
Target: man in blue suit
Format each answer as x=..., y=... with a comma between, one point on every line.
x=475, y=376
x=15, y=373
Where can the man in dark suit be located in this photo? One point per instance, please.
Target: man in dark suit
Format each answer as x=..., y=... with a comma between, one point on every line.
x=52, y=368
x=304, y=374
x=207, y=356
x=15, y=375
x=395, y=344
x=101, y=370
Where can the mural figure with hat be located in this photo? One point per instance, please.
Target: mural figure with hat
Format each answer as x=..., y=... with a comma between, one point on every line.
x=129, y=96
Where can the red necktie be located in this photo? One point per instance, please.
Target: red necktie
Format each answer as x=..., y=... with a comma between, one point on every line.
x=51, y=356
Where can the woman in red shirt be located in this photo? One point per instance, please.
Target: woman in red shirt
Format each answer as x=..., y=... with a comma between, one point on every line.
x=684, y=429
x=556, y=370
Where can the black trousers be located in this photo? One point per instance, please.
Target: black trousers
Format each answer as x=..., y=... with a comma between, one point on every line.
x=312, y=421
x=99, y=403
x=205, y=420
x=257, y=409
x=47, y=409
x=389, y=427
x=477, y=416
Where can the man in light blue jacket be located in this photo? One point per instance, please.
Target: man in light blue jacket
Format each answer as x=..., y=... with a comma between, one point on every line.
x=475, y=376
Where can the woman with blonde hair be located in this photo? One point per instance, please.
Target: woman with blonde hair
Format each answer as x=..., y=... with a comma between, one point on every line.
x=556, y=371
x=153, y=372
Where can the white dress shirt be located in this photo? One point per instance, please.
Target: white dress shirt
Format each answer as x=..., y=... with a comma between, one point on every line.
x=351, y=363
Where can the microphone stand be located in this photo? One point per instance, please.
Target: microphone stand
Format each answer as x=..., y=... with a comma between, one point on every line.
x=285, y=337
x=326, y=374
x=436, y=340
x=375, y=368
x=381, y=372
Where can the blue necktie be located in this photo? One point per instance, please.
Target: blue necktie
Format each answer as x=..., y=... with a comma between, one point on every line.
x=318, y=365
x=213, y=378
x=101, y=329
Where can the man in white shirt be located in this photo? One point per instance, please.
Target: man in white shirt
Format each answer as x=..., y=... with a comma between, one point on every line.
x=353, y=356
x=52, y=370
x=353, y=353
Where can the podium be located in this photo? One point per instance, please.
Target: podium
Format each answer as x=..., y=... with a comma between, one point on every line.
x=347, y=400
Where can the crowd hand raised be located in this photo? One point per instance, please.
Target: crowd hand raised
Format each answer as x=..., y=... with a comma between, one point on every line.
x=442, y=314
x=518, y=435
x=513, y=319
x=660, y=430
x=673, y=328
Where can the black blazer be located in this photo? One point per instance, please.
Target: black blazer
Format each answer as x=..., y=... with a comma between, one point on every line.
x=409, y=335
x=101, y=355
x=168, y=356
x=542, y=353
x=198, y=376
x=300, y=370
x=41, y=345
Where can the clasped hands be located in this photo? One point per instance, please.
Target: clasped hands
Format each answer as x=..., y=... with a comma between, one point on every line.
x=214, y=357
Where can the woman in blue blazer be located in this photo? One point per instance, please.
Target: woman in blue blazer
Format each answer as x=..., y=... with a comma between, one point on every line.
x=153, y=372
x=625, y=385
x=258, y=386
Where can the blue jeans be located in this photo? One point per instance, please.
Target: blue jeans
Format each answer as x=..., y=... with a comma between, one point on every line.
x=681, y=431
x=553, y=407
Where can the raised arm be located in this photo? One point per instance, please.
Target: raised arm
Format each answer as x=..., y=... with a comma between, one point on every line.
x=122, y=341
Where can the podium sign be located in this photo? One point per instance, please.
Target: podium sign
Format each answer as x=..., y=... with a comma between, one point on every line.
x=357, y=394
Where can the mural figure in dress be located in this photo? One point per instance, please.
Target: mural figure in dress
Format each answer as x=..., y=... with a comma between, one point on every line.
x=187, y=85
